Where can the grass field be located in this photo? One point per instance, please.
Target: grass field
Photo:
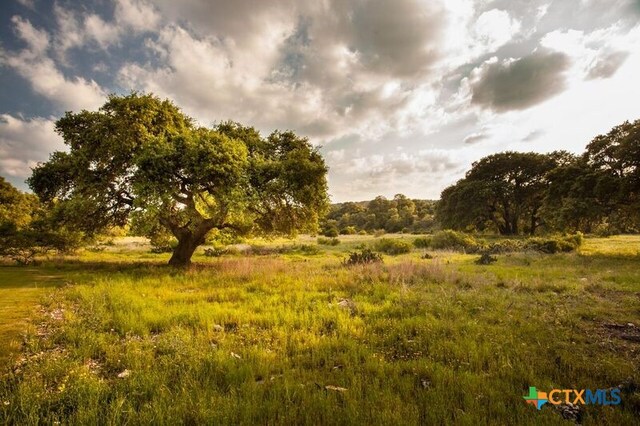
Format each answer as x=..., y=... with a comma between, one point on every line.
x=298, y=338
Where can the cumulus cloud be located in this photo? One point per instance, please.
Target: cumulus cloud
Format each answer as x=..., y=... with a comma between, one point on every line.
x=495, y=28
x=23, y=143
x=43, y=75
x=360, y=77
x=138, y=15
x=520, y=83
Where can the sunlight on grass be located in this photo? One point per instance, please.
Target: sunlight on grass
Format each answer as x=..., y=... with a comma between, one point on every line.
x=301, y=339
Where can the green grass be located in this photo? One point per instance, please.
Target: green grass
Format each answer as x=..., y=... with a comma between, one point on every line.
x=257, y=340
x=20, y=291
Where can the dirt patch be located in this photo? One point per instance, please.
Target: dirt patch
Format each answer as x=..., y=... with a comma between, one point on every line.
x=629, y=331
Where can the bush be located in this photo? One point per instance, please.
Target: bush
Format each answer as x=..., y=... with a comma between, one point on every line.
x=307, y=249
x=453, y=240
x=422, y=242
x=392, y=246
x=215, y=251
x=328, y=241
x=331, y=232
x=349, y=230
x=505, y=246
x=364, y=257
x=379, y=233
x=162, y=242
x=552, y=245
x=362, y=232
x=485, y=259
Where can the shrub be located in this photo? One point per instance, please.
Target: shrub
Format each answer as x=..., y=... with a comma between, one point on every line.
x=392, y=246
x=453, y=240
x=379, y=233
x=328, y=241
x=162, y=242
x=362, y=232
x=331, y=232
x=422, y=242
x=505, y=246
x=364, y=257
x=349, y=230
x=215, y=251
x=552, y=245
x=305, y=249
x=485, y=259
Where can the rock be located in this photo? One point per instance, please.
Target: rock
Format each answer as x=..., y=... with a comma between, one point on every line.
x=218, y=328
x=570, y=411
x=235, y=355
x=347, y=304
x=335, y=388
x=124, y=374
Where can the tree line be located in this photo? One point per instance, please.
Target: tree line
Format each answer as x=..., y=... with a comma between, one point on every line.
x=400, y=214
x=513, y=193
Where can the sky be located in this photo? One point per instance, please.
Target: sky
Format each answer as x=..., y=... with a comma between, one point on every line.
x=401, y=96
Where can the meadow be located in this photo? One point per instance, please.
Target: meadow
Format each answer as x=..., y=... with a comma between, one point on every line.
x=293, y=336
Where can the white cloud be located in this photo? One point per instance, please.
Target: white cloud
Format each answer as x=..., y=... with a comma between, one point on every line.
x=43, y=75
x=138, y=15
x=23, y=143
x=105, y=34
x=495, y=28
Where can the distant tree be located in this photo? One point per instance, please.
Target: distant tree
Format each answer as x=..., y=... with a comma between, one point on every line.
x=16, y=207
x=503, y=190
x=139, y=157
x=26, y=231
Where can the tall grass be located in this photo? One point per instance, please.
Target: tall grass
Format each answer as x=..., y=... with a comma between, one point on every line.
x=299, y=339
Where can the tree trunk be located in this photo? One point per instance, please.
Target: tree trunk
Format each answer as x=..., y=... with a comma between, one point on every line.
x=181, y=256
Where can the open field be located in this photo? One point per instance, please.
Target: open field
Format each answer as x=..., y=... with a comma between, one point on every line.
x=298, y=338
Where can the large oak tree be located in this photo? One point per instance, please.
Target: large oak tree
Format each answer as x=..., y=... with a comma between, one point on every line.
x=504, y=191
x=140, y=159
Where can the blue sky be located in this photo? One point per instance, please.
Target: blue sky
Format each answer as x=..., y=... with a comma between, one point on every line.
x=402, y=95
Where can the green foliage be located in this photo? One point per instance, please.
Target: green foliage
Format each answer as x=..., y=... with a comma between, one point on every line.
x=422, y=242
x=26, y=231
x=364, y=257
x=141, y=158
x=349, y=230
x=503, y=192
x=599, y=192
x=552, y=245
x=506, y=246
x=399, y=214
x=330, y=232
x=215, y=251
x=485, y=259
x=392, y=246
x=328, y=241
x=452, y=240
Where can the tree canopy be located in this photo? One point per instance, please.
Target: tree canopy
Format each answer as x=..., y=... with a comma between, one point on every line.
x=601, y=188
x=513, y=192
x=140, y=159
x=504, y=191
x=25, y=227
x=400, y=214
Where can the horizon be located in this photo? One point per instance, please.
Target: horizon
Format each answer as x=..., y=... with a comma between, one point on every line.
x=402, y=97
